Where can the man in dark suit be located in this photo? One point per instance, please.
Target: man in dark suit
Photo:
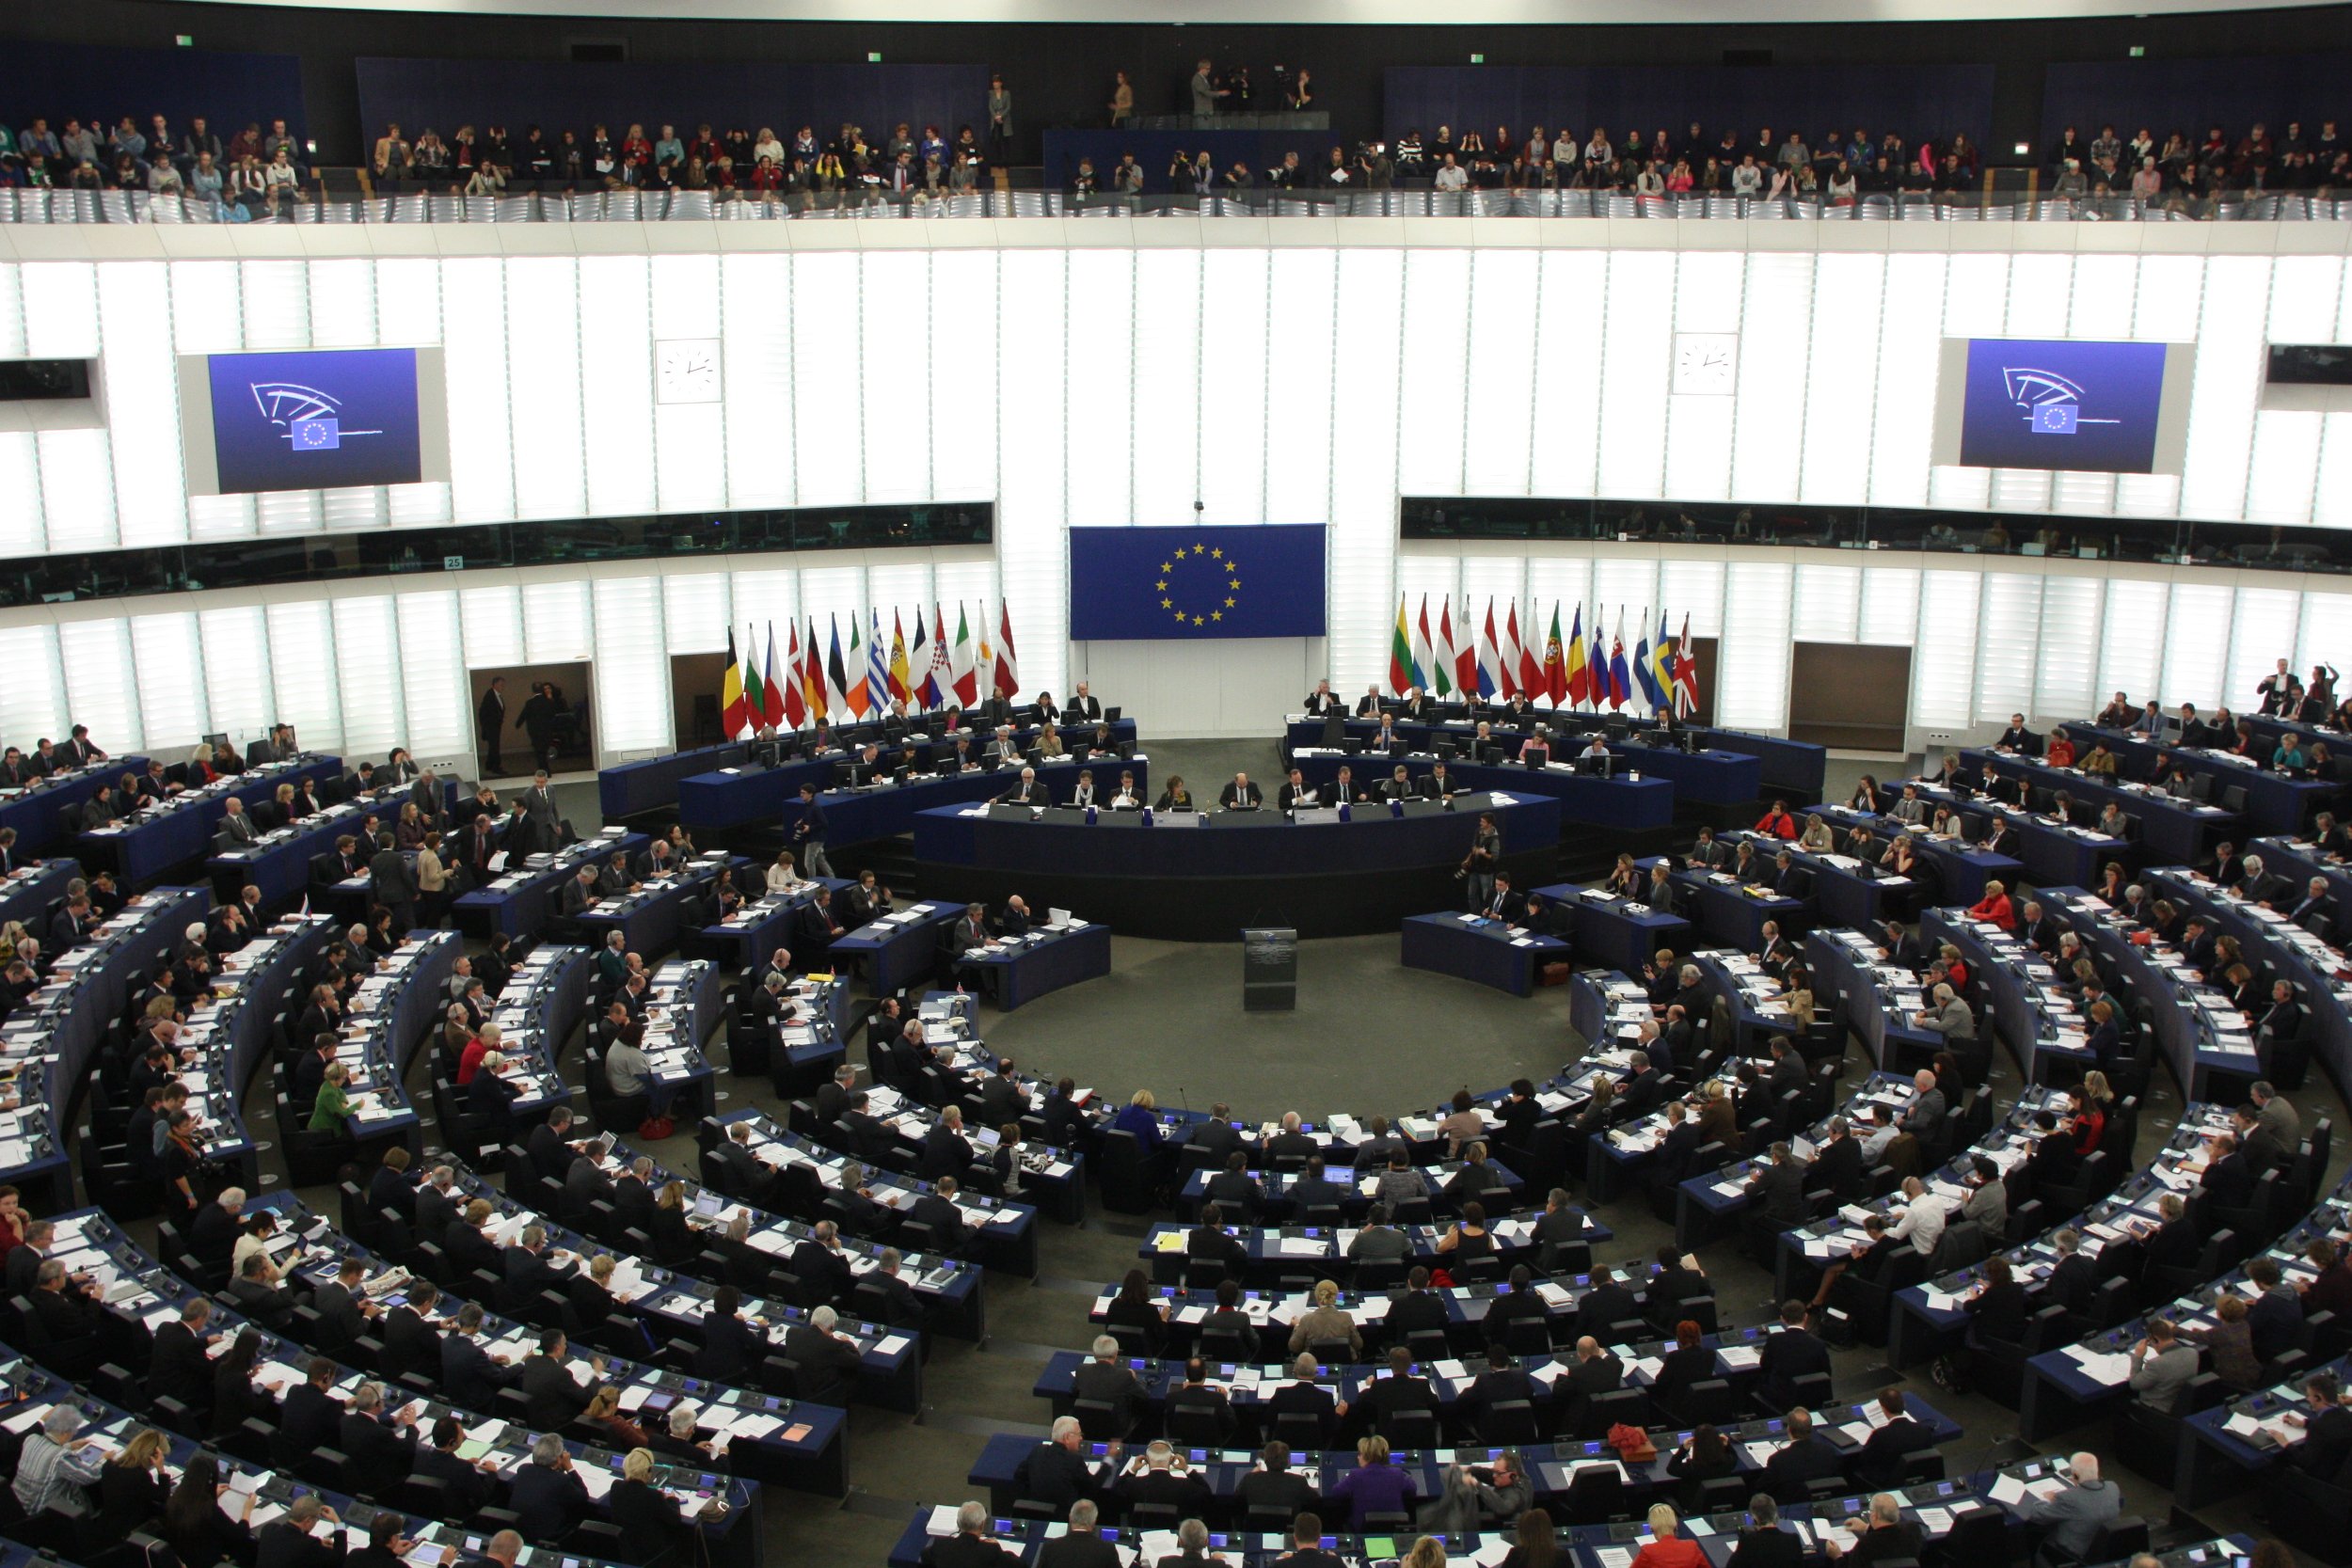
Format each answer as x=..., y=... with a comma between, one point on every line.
x=342, y=1308
x=287, y=1543
x=549, y=1497
x=551, y=1153
x=1217, y=1137
x=465, y=1365
x=1837, y=1164
x=309, y=1417
x=1885, y=1456
x=1793, y=1352
x=1395, y=1394
x=829, y=1362
x=2018, y=739
x=1597, y=1372
x=465, y=1487
x=1209, y=1243
x=1235, y=1191
x=735, y=1348
x=1501, y=1383
x=556, y=1397
x=254, y=1294
x=489, y=725
x=1607, y=1303
x=178, y=1368
x=2326, y=1443
x=1789, y=1474
x=1672, y=1284
x=2229, y=1179
x=1274, y=1487
x=1304, y=1397
x=526, y=1269
x=820, y=1265
x=1506, y=903
x=1418, y=1309
x=1103, y=1379
x=1057, y=1471
x=1165, y=1482
x=971, y=1546
x=1195, y=1401
x=379, y=1445
x=741, y=1174
x=411, y=1342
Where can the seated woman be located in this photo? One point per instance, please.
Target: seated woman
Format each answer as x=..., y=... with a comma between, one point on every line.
x=1705, y=1457
x=785, y=875
x=2061, y=752
x=331, y=1111
x=1176, y=796
x=1049, y=744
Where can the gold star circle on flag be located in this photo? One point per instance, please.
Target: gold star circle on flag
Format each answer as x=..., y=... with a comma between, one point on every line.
x=1182, y=597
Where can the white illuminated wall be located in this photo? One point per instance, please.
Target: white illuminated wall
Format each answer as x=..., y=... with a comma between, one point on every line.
x=1102, y=373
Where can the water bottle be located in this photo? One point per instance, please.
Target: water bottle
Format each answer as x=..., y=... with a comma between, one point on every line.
x=1090, y=814
x=1147, y=816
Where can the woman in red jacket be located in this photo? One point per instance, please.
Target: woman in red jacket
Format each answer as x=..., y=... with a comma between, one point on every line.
x=1994, y=906
x=1777, y=821
x=1667, y=1550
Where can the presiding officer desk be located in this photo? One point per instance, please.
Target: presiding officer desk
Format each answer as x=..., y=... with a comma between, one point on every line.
x=1714, y=777
x=1201, y=875
x=1586, y=800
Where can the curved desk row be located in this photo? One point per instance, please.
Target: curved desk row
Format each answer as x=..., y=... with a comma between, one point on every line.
x=735, y=792
x=53, y=1052
x=145, y=1296
x=180, y=829
x=1202, y=878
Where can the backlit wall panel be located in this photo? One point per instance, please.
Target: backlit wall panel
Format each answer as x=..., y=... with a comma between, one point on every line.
x=1104, y=380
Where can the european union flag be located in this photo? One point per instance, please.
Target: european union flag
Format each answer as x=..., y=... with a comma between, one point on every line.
x=318, y=435
x=1148, y=583
x=2056, y=418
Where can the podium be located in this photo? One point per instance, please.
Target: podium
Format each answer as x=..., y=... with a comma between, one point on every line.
x=1269, y=969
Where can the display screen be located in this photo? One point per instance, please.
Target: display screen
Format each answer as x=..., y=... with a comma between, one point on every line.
x=2036, y=403
x=1189, y=583
x=320, y=419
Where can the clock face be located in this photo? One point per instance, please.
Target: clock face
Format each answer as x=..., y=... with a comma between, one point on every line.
x=1707, y=364
x=686, y=369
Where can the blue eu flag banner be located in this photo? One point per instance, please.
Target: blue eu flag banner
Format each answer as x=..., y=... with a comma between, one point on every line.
x=1132, y=584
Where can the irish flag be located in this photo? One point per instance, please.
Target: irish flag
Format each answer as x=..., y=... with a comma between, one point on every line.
x=967, y=684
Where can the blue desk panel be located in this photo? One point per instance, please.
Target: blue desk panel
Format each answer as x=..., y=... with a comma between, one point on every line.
x=1485, y=952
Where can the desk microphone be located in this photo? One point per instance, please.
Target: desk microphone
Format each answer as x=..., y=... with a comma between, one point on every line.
x=1181, y=1101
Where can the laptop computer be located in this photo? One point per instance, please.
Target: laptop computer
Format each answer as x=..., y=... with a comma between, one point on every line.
x=708, y=1205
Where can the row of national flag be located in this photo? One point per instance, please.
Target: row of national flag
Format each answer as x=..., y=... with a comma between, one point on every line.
x=825, y=680
x=1449, y=661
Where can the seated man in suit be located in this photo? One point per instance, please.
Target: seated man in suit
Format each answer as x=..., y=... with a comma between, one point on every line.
x=1209, y=1242
x=1296, y=792
x=1057, y=1471
x=1596, y=1371
x=1240, y=795
x=1304, y=1397
x=1791, y=1473
x=1887, y=1453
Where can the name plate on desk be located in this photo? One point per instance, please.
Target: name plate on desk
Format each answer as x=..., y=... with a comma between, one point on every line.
x=1179, y=819
x=1315, y=814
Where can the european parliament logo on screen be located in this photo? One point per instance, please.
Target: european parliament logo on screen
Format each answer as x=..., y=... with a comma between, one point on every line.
x=1191, y=583
x=2043, y=404
x=317, y=420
